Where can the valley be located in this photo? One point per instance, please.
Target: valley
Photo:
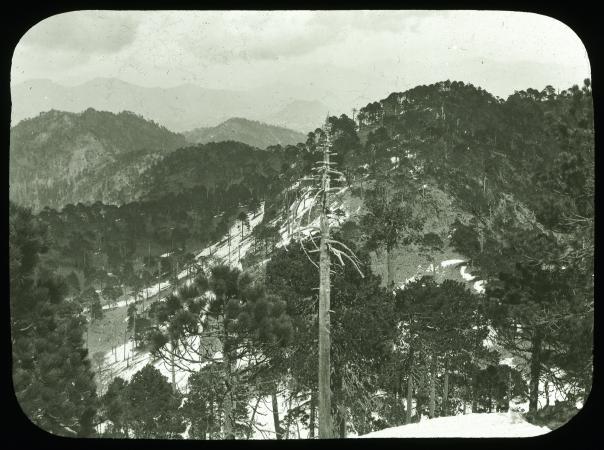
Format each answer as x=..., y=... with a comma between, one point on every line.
x=187, y=264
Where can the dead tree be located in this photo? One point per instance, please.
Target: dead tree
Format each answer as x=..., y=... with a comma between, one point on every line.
x=317, y=192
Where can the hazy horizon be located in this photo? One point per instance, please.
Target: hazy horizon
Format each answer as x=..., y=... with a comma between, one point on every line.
x=343, y=58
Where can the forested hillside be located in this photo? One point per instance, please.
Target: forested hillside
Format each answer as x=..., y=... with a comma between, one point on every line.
x=433, y=177
x=185, y=201
x=59, y=158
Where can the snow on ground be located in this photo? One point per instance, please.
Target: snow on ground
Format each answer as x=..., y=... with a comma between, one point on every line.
x=150, y=291
x=507, y=362
x=220, y=250
x=451, y=262
x=264, y=424
x=466, y=276
x=434, y=269
x=479, y=286
x=126, y=361
x=467, y=425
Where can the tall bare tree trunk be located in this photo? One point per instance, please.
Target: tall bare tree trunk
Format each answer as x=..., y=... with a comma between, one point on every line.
x=229, y=243
x=289, y=416
x=490, y=399
x=278, y=431
x=509, y=393
x=240, y=244
x=419, y=405
x=342, y=412
x=210, y=422
x=409, y=390
x=474, y=389
x=535, y=370
x=445, y=407
x=228, y=406
x=125, y=341
x=432, y=404
x=325, y=420
x=249, y=433
x=228, y=415
x=389, y=268
x=172, y=367
x=313, y=405
x=481, y=241
x=341, y=407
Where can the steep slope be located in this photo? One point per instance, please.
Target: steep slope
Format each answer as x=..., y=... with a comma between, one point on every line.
x=249, y=132
x=185, y=200
x=60, y=157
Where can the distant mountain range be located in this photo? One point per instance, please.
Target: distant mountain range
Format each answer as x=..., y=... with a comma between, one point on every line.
x=179, y=108
x=250, y=132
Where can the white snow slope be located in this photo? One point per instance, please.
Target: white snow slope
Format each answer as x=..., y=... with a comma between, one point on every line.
x=465, y=425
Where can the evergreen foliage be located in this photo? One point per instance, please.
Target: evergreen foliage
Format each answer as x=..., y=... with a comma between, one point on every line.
x=52, y=377
x=518, y=179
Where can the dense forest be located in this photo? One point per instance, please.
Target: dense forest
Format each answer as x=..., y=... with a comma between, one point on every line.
x=508, y=185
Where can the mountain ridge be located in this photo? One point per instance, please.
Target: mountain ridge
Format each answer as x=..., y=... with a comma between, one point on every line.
x=179, y=108
x=251, y=132
x=95, y=155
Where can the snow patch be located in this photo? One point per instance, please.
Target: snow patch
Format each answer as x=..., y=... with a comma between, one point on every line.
x=508, y=424
x=465, y=275
x=239, y=246
x=479, y=286
x=451, y=262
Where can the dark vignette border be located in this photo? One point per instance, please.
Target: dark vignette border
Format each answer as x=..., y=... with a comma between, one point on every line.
x=18, y=430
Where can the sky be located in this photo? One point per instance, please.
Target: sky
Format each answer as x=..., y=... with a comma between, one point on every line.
x=354, y=55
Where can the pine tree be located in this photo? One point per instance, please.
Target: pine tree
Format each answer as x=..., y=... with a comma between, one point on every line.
x=243, y=220
x=203, y=406
x=52, y=378
x=153, y=408
x=443, y=322
x=220, y=328
x=388, y=223
x=115, y=408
